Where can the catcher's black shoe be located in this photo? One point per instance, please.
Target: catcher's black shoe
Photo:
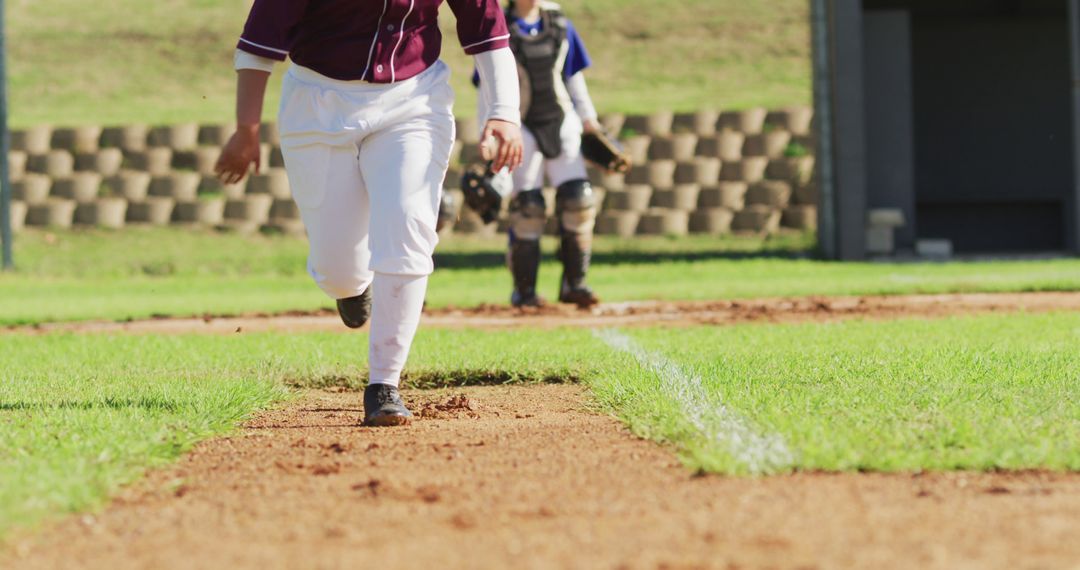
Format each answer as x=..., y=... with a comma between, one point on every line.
x=355, y=311
x=581, y=296
x=529, y=299
x=383, y=406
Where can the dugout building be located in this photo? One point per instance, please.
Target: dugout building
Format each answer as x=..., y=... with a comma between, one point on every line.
x=963, y=115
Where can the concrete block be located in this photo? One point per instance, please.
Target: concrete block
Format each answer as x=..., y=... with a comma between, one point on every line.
x=202, y=159
x=939, y=249
x=730, y=144
x=661, y=173
x=17, y=164
x=749, y=121
x=749, y=169
x=701, y=171
x=711, y=221
x=211, y=185
x=701, y=123
x=182, y=136
x=179, y=185
x=880, y=240
x=252, y=208
x=770, y=144
x=806, y=194
x=757, y=219
x=55, y=213
x=613, y=122
x=107, y=161
x=156, y=211
x=633, y=198
x=284, y=209
x=216, y=135
x=105, y=212
x=657, y=123
x=885, y=217
x=157, y=161
x=470, y=223
x=272, y=181
x=772, y=193
x=800, y=218
x=661, y=222
x=637, y=147
x=614, y=223
x=796, y=120
x=32, y=140
x=269, y=134
x=54, y=163
x=18, y=211
x=728, y=195
x=613, y=180
x=682, y=197
x=133, y=185
x=277, y=159
x=32, y=188
x=77, y=139
x=798, y=170
x=82, y=187
x=680, y=147
x=284, y=227
x=209, y=212
x=127, y=138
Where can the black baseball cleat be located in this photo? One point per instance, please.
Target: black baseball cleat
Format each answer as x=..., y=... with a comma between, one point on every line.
x=355, y=311
x=383, y=406
x=583, y=297
x=531, y=300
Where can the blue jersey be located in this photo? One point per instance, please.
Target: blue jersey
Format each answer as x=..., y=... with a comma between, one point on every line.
x=577, y=58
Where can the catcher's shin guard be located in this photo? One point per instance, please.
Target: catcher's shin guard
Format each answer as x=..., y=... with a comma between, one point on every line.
x=575, y=204
x=527, y=216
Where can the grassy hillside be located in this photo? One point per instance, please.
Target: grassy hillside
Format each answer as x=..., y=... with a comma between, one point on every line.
x=83, y=61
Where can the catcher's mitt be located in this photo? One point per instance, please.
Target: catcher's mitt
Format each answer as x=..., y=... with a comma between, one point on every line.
x=605, y=153
x=483, y=191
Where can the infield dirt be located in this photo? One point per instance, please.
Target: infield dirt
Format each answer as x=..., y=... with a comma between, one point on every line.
x=646, y=313
x=500, y=477
x=532, y=477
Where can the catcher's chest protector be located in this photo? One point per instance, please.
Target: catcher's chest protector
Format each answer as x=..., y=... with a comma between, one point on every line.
x=540, y=59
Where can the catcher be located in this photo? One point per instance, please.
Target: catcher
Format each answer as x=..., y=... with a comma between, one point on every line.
x=556, y=112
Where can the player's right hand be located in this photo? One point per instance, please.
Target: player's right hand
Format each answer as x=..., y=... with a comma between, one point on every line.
x=238, y=155
x=507, y=150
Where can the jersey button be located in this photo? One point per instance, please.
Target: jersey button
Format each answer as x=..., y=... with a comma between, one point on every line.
x=390, y=27
x=378, y=68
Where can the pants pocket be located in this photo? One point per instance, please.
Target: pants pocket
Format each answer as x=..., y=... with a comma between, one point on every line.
x=308, y=171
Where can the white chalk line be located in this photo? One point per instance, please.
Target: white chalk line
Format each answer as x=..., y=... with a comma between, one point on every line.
x=761, y=453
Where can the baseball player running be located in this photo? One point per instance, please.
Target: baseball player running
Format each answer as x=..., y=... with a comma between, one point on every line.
x=366, y=132
x=551, y=58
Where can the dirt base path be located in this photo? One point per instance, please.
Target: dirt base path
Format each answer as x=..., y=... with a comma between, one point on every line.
x=644, y=313
x=525, y=477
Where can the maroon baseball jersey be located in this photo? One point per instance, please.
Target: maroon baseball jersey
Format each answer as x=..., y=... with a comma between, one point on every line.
x=381, y=41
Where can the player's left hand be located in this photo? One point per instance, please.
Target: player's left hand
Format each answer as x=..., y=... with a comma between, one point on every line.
x=507, y=151
x=591, y=126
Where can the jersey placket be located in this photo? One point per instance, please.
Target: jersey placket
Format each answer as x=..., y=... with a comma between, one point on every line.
x=389, y=32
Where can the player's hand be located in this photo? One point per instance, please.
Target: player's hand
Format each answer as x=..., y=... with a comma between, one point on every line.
x=238, y=155
x=591, y=126
x=501, y=144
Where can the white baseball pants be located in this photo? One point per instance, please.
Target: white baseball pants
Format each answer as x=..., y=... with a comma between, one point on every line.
x=569, y=165
x=366, y=164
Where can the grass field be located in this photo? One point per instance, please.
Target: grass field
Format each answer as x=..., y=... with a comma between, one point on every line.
x=138, y=273
x=171, y=61
x=83, y=414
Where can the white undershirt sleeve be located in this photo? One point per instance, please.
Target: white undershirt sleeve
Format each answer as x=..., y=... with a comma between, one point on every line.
x=579, y=94
x=499, y=88
x=245, y=60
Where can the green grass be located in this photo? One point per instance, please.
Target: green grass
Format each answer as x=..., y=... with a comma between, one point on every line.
x=980, y=393
x=137, y=273
x=121, y=61
x=81, y=415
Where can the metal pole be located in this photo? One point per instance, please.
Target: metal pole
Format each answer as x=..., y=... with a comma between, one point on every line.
x=823, y=112
x=1073, y=224
x=5, y=144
